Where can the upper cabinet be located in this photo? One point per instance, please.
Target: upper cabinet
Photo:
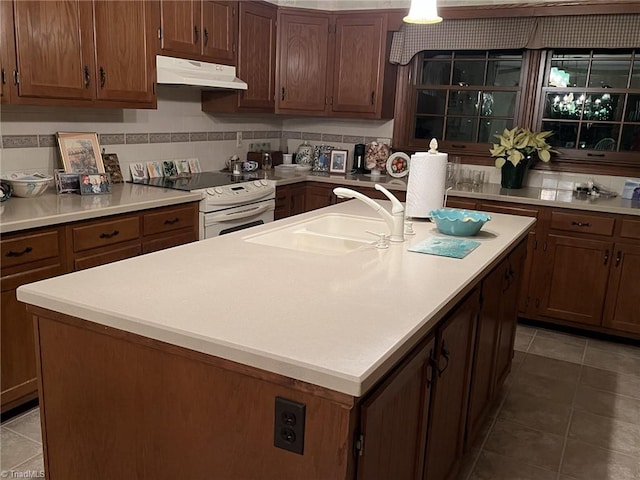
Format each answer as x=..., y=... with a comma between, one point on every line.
x=79, y=52
x=334, y=64
x=303, y=51
x=256, y=63
x=199, y=29
x=7, y=52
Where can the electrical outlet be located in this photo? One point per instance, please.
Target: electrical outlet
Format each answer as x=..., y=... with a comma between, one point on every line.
x=288, y=425
x=239, y=139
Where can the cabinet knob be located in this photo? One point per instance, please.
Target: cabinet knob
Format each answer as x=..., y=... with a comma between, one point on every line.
x=103, y=77
x=606, y=257
x=282, y=98
x=445, y=354
x=196, y=34
x=580, y=224
x=618, y=257
x=206, y=36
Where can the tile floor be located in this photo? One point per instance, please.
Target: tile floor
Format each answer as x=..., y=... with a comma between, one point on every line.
x=570, y=410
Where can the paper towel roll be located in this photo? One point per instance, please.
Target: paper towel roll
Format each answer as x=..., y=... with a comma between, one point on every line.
x=427, y=183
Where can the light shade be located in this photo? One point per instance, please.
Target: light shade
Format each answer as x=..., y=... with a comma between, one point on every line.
x=423, y=11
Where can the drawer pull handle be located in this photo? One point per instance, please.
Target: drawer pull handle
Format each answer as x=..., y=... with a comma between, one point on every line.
x=11, y=253
x=110, y=235
x=581, y=224
x=171, y=221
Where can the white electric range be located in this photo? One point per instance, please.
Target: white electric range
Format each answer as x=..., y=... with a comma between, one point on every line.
x=229, y=202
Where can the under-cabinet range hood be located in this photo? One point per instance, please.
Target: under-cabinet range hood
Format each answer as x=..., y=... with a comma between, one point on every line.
x=178, y=71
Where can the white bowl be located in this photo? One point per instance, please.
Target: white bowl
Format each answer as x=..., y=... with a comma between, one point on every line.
x=28, y=185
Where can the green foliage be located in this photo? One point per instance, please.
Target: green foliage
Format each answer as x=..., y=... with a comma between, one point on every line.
x=518, y=143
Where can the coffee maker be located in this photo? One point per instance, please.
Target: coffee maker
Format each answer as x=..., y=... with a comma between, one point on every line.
x=358, y=158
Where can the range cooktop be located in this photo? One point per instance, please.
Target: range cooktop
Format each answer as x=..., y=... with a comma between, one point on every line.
x=198, y=181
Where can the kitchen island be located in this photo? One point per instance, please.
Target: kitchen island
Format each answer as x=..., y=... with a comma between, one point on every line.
x=168, y=365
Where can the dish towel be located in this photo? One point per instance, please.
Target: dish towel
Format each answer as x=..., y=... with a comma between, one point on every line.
x=446, y=247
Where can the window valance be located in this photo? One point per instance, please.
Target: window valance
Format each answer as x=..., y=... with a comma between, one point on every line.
x=566, y=31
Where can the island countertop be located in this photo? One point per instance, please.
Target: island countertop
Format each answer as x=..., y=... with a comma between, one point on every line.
x=337, y=321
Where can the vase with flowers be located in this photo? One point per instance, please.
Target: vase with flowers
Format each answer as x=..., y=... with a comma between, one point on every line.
x=517, y=149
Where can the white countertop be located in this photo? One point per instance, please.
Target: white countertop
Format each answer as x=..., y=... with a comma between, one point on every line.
x=52, y=209
x=548, y=197
x=340, y=322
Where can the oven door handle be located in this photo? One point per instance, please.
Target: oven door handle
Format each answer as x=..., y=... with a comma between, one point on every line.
x=237, y=215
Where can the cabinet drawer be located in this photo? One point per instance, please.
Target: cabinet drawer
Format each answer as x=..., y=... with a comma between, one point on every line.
x=29, y=248
x=462, y=204
x=112, y=255
x=577, y=222
x=168, y=220
x=630, y=229
x=168, y=241
x=105, y=233
x=508, y=210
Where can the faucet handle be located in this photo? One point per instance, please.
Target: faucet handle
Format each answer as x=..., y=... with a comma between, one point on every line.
x=408, y=228
x=383, y=240
x=397, y=207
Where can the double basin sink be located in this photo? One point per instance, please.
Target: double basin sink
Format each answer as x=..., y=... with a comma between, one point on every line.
x=328, y=234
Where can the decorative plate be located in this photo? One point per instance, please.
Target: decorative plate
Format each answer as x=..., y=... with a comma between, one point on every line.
x=398, y=164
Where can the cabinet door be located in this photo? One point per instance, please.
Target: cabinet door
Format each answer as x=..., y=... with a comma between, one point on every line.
x=449, y=403
x=54, y=43
x=482, y=379
x=358, y=63
x=575, y=278
x=298, y=199
x=394, y=421
x=622, y=312
x=257, y=55
x=7, y=51
x=125, y=57
x=180, y=26
x=318, y=196
x=302, y=63
x=516, y=272
x=219, y=31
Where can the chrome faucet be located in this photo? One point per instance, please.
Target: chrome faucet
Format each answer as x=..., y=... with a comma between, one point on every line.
x=394, y=220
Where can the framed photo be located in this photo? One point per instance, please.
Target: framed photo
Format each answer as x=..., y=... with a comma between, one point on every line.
x=338, y=162
x=80, y=152
x=67, y=182
x=321, y=158
x=95, y=184
x=112, y=167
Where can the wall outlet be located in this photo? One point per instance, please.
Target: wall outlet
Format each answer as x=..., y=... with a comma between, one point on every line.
x=239, y=139
x=288, y=425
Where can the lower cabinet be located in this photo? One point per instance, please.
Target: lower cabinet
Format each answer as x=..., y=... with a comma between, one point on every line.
x=47, y=252
x=290, y=200
x=622, y=312
x=26, y=257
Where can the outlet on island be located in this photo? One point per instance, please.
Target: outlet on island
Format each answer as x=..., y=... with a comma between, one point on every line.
x=289, y=425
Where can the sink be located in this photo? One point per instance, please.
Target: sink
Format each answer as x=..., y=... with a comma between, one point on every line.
x=328, y=234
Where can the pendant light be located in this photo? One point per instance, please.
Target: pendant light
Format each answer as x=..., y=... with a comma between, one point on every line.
x=423, y=11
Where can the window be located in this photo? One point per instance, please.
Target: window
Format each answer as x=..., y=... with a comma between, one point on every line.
x=465, y=97
x=591, y=100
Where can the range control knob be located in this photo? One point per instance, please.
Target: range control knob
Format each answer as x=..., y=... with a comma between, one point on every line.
x=256, y=183
x=210, y=191
x=218, y=190
x=264, y=183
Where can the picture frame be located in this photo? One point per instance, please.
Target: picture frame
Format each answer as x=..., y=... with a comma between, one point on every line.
x=95, y=183
x=321, y=158
x=67, y=182
x=112, y=167
x=80, y=152
x=338, y=163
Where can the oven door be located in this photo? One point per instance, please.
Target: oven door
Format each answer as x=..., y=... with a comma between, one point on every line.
x=233, y=219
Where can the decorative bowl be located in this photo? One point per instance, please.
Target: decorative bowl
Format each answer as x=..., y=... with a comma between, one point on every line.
x=28, y=185
x=459, y=223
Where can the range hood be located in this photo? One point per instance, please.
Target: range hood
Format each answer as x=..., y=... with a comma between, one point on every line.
x=178, y=71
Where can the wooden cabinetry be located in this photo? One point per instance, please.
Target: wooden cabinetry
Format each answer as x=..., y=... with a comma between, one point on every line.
x=256, y=63
x=290, y=200
x=493, y=353
x=44, y=253
x=7, y=52
x=394, y=419
x=26, y=258
x=75, y=50
x=622, y=312
x=334, y=64
x=447, y=419
x=199, y=29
